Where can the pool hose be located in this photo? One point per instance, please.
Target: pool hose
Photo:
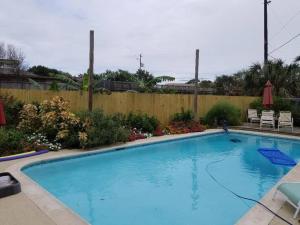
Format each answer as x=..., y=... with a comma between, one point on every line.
x=237, y=195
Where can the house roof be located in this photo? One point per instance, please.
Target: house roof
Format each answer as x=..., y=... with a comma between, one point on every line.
x=6, y=74
x=179, y=84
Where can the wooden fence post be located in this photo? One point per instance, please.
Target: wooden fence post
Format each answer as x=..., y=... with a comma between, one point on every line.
x=91, y=71
x=196, y=83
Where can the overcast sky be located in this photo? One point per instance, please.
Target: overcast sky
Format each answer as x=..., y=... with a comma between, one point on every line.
x=228, y=33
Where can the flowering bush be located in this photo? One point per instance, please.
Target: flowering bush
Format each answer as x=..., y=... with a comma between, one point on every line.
x=39, y=142
x=182, y=127
x=30, y=119
x=184, y=122
x=136, y=135
x=57, y=121
x=158, y=132
x=54, y=120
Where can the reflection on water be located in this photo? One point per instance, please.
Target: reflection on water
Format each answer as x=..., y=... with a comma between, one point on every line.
x=195, y=194
x=167, y=183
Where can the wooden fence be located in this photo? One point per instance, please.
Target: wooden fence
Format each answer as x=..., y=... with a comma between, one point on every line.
x=160, y=105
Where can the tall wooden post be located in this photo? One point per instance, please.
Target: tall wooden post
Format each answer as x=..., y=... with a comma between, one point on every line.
x=196, y=82
x=266, y=32
x=91, y=71
x=266, y=44
x=141, y=65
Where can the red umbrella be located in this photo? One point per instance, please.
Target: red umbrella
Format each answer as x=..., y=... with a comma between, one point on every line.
x=268, y=99
x=2, y=115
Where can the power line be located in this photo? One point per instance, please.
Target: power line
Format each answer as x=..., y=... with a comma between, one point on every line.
x=286, y=24
x=272, y=57
x=284, y=44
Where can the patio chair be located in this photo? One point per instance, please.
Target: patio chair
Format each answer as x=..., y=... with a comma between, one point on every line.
x=291, y=193
x=252, y=116
x=267, y=118
x=285, y=120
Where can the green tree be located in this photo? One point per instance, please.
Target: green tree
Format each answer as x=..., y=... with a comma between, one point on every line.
x=253, y=80
x=120, y=75
x=147, y=81
x=43, y=70
x=203, y=83
x=285, y=79
x=229, y=85
x=54, y=86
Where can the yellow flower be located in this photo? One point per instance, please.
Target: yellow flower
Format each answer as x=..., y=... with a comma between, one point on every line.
x=62, y=134
x=82, y=137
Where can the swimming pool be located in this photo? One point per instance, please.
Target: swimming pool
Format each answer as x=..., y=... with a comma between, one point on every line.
x=167, y=183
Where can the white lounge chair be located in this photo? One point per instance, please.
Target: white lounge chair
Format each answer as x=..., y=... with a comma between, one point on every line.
x=291, y=192
x=267, y=118
x=285, y=120
x=252, y=116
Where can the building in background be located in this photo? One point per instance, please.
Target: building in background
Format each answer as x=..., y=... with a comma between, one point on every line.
x=12, y=77
x=185, y=88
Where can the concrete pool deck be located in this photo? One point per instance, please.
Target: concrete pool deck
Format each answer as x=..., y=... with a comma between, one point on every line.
x=35, y=206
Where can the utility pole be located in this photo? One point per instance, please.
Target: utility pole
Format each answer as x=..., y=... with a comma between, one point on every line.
x=91, y=71
x=141, y=64
x=196, y=82
x=266, y=44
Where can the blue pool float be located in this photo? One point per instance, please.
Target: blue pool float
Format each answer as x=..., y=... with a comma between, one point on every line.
x=277, y=157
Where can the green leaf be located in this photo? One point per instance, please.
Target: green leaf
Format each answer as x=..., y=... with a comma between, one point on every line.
x=74, y=84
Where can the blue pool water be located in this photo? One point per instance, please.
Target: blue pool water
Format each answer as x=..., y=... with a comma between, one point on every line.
x=167, y=183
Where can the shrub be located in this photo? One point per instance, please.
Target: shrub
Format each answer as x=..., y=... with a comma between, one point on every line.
x=136, y=135
x=52, y=119
x=142, y=121
x=223, y=111
x=257, y=104
x=182, y=127
x=11, y=141
x=30, y=119
x=101, y=129
x=183, y=122
x=12, y=107
x=36, y=142
x=119, y=118
x=184, y=116
x=296, y=113
x=58, y=123
x=158, y=132
x=281, y=104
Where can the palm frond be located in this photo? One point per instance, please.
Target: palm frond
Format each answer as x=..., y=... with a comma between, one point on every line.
x=67, y=80
x=34, y=83
x=165, y=78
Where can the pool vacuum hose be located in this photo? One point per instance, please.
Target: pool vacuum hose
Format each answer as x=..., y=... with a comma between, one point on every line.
x=237, y=195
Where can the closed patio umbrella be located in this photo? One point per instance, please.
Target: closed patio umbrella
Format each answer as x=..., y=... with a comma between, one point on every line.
x=2, y=115
x=267, y=98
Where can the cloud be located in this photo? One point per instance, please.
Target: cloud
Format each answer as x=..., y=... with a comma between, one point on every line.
x=228, y=33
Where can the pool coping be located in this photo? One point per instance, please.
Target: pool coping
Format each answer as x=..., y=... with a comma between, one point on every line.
x=61, y=214
x=257, y=215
